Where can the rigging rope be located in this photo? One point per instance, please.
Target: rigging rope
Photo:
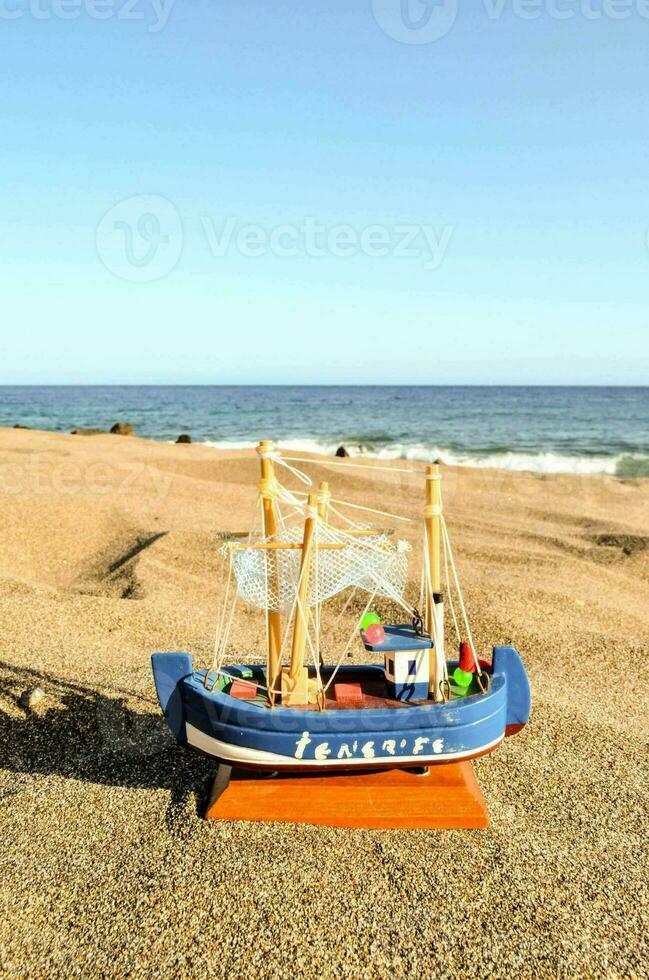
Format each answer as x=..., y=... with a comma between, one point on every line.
x=432, y=626
x=449, y=591
x=349, y=643
x=359, y=466
x=372, y=510
x=222, y=636
x=459, y=595
x=350, y=562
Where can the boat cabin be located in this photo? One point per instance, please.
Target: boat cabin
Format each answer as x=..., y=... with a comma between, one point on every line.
x=406, y=662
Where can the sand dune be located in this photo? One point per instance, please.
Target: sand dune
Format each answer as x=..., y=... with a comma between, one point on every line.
x=107, y=554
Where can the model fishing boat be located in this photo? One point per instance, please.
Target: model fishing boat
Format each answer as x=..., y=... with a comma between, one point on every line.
x=305, y=708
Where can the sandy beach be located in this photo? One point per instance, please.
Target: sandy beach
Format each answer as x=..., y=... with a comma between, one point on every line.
x=107, y=554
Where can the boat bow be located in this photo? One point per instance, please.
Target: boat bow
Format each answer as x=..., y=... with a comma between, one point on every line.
x=507, y=661
x=169, y=669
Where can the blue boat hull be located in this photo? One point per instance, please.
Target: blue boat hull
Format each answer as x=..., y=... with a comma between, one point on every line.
x=249, y=735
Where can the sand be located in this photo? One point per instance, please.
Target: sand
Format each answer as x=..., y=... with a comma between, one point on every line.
x=107, y=869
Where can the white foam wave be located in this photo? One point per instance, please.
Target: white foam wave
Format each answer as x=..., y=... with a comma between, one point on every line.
x=294, y=445
x=542, y=462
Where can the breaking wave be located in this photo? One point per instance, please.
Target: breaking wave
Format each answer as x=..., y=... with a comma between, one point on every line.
x=625, y=465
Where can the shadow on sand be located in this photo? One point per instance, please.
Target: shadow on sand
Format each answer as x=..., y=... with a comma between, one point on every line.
x=113, y=738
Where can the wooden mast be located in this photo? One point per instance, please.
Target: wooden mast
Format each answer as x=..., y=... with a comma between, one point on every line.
x=434, y=597
x=295, y=681
x=324, y=496
x=273, y=618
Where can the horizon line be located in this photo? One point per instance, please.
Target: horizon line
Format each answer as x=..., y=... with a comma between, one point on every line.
x=312, y=384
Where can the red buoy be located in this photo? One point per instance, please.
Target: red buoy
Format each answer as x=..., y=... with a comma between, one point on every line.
x=375, y=634
x=467, y=660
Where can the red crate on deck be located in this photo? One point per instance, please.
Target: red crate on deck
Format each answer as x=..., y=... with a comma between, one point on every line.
x=243, y=689
x=349, y=695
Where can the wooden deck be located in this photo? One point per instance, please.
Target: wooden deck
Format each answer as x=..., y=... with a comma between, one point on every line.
x=374, y=693
x=373, y=688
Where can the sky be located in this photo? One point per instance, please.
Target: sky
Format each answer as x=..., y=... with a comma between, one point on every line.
x=362, y=191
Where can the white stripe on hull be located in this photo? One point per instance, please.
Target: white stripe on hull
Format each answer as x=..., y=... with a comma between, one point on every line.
x=238, y=753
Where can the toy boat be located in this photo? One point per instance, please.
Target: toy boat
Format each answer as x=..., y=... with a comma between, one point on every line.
x=414, y=708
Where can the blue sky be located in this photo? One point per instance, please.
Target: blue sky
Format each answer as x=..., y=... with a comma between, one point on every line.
x=198, y=191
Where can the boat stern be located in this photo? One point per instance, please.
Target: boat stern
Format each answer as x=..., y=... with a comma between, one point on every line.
x=507, y=661
x=168, y=670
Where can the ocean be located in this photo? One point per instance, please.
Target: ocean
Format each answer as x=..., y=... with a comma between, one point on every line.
x=584, y=430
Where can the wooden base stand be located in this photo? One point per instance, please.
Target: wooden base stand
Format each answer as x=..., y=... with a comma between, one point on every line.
x=447, y=797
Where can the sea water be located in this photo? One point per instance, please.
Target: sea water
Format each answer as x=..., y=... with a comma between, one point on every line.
x=583, y=430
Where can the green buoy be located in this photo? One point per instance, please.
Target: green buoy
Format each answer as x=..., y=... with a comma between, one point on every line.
x=370, y=619
x=462, y=677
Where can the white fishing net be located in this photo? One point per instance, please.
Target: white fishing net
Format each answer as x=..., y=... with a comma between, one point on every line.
x=268, y=579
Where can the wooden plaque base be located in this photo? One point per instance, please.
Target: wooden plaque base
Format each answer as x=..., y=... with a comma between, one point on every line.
x=447, y=797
